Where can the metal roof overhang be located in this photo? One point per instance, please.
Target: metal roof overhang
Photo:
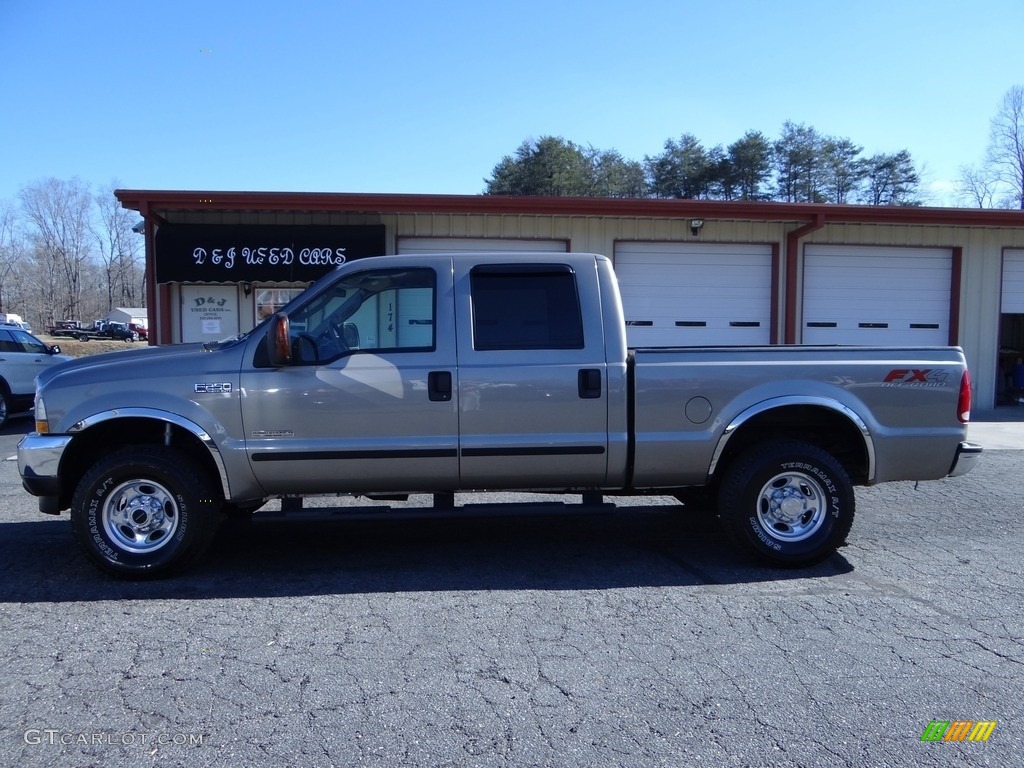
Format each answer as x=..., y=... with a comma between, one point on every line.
x=155, y=201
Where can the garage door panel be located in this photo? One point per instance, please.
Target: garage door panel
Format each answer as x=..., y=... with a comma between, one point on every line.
x=1013, y=283
x=863, y=295
x=677, y=294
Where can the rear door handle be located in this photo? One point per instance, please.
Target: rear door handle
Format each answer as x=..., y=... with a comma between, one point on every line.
x=590, y=383
x=439, y=386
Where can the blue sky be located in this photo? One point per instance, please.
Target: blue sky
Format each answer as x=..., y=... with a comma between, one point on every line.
x=426, y=97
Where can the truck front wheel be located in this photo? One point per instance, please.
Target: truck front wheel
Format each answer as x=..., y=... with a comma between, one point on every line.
x=144, y=511
x=788, y=502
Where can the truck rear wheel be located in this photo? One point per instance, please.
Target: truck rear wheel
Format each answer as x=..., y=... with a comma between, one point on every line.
x=144, y=511
x=788, y=502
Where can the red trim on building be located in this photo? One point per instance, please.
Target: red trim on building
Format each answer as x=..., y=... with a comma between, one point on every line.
x=792, y=260
x=163, y=200
x=164, y=292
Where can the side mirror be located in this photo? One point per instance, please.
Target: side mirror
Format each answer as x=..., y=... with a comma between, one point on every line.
x=279, y=347
x=54, y=350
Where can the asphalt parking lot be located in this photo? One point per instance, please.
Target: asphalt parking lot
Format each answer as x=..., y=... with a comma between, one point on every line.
x=634, y=638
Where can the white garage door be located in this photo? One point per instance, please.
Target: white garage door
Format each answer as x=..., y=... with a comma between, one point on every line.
x=477, y=244
x=677, y=294
x=868, y=295
x=1013, y=283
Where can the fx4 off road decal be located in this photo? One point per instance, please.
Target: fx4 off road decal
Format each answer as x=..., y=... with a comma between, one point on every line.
x=916, y=377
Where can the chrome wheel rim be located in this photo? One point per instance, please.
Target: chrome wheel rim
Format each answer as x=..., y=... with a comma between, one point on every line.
x=791, y=506
x=140, y=516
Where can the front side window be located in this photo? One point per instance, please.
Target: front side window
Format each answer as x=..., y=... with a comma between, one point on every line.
x=525, y=307
x=27, y=342
x=377, y=311
x=7, y=343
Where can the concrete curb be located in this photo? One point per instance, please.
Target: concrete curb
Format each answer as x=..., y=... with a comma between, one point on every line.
x=998, y=430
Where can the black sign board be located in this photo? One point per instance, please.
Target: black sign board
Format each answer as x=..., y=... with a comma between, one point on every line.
x=220, y=253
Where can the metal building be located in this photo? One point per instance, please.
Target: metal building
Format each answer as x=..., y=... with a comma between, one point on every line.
x=691, y=271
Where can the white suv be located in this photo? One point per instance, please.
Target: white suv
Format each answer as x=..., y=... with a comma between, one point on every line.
x=22, y=357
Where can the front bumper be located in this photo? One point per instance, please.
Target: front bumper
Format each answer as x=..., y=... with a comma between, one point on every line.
x=38, y=464
x=967, y=457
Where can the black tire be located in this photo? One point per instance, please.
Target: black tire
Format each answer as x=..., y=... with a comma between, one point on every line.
x=83, y=337
x=5, y=405
x=788, y=502
x=145, y=511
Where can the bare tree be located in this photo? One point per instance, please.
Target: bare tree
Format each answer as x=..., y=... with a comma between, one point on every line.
x=1005, y=154
x=118, y=247
x=58, y=214
x=976, y=186
x=11, y=247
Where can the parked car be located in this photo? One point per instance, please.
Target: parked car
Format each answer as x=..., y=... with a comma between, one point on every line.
x=17, y=324
x=101, y=330
x=22, y=357
x=141, y=330
x=122, y=331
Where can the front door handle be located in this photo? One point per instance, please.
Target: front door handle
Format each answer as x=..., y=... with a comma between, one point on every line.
x=439, y=386
x=590, y=383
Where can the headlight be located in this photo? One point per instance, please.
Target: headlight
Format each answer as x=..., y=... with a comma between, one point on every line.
x=42, y=426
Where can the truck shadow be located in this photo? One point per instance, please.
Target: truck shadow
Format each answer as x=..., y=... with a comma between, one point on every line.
x=655, y=547
x=18, y=424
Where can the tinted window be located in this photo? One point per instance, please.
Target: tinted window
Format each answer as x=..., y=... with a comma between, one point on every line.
x=7, y=343
x=27, y=342
x=525, y=307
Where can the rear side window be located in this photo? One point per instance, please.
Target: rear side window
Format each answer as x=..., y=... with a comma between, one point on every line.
x=525, y=307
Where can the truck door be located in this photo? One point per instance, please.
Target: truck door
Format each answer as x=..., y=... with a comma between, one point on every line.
x=532, y=375
x=369, y=402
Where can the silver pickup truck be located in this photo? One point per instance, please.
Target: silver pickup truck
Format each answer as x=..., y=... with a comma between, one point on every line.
x=444, y=373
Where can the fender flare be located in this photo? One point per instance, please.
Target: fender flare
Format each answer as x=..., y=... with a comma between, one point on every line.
x=168, y=419
x=790, y=400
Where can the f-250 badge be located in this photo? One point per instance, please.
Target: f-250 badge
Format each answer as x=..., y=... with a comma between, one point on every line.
x=213, y=388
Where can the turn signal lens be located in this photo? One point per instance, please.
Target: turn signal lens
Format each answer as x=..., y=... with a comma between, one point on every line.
x=42, y=425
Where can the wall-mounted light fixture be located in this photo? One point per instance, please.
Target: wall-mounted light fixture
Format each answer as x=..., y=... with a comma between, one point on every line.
x=695, y=226
x=247, y=289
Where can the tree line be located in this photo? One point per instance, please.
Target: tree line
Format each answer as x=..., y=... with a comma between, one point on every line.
x=802, y=165
x=67, y=253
